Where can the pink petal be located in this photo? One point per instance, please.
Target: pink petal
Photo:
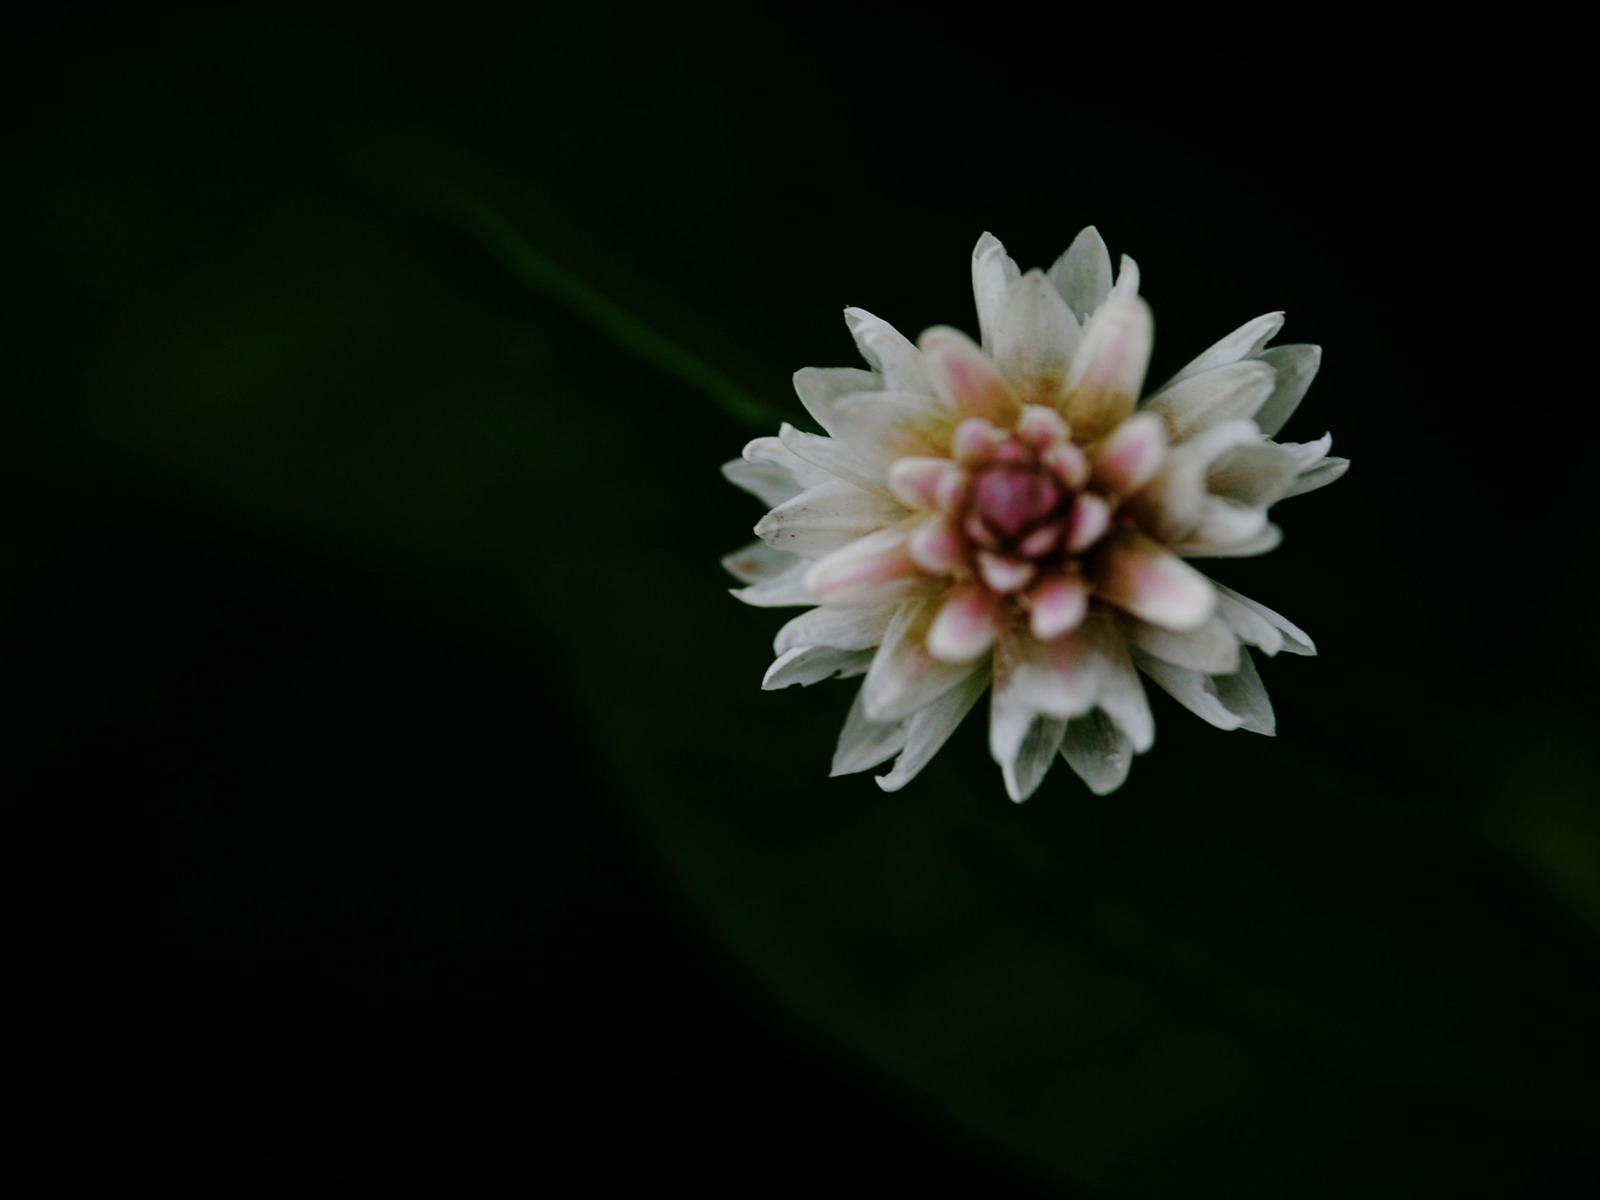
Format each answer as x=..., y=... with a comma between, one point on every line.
x=964, y=375
x=919, y=482
x=1146, y=579
x=1058, y=603
x=980, y=533
x=1060, y=678
x=1091, y=517
x=967, y=624
x=951, y=492
x=1010, y=453
x=1108, y=368
x=975, y=440
x=1130, y=457
x=1040, y=426
x=872, y=569
x=904, y=676
x=1067, y=462
x=1004, y=574
x=1042, y=540
x=936, y=547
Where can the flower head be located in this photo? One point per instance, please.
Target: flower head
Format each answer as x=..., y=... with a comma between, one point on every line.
x=1008, y=516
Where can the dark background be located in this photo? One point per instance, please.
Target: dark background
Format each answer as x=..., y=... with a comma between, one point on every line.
x=394, y=803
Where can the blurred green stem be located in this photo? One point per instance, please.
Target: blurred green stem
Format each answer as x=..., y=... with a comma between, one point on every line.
x=550, y=279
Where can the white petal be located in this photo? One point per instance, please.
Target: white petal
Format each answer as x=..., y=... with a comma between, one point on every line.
x=875, y=569
x=1171, y=505
x=1213, y=648
x=993, y=273
x=827, y=518
x=1206, y=447
x=1062, y=678
x=967, y=624
x=832, y=457
x=1142, y=577
x=904, y=676
x=930, y=729
x=889, y=351
x=780, y=591
x=1296, y=366
x=1309, y=454
x=1083, y=274
x=1243, y=343
x=757, y=561
x=1268, y=539
x=1174, y=503
x=1121, y=694
x=1098, y=751
x=1236, y=701
x=865, y=743
x=1127, y=279
x=1024, y=768
x=820, y=387
x=1321, y=475
x=1108, y=369
x=1250, y=627
x=965, y=377
x=1035, y=342
x=1192, y=689
x=811, y=664
x=856, y=628
x=883, y=426
x=773, y=452
x=1244, y=693
x=768, y=482
x=1256, y=474
x=1226, y=529
x=1258, y=625
x=1130, y=457
x=1222, y=394
x=1022, y=741
x=772, y=472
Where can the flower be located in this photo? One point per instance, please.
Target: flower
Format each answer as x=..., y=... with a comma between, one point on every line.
x=1008, y=516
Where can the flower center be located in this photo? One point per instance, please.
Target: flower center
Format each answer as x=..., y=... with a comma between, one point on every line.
x=1022, y=510
x=1009, y=502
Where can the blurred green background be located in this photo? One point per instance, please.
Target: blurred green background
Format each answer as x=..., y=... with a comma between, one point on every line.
x=394, y=802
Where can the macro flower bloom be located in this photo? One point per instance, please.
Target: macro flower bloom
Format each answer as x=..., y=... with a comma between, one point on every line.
x=1008, y=516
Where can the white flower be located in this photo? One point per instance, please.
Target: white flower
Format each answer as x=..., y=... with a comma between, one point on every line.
x=1009, y=515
